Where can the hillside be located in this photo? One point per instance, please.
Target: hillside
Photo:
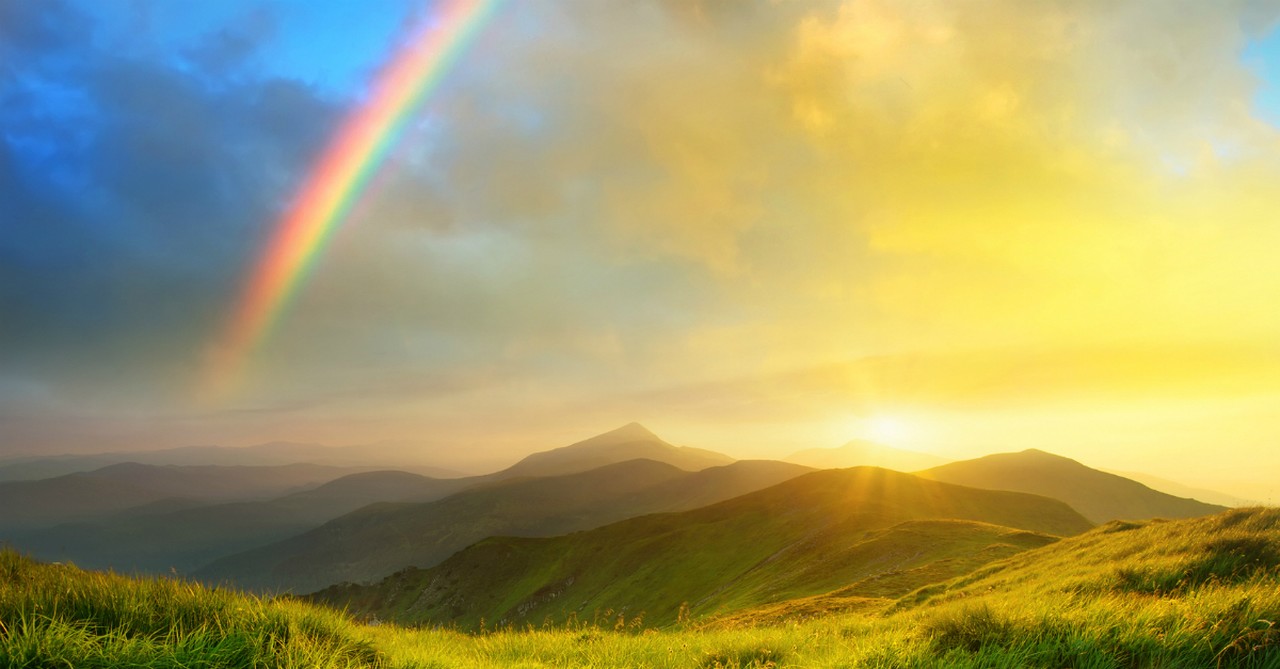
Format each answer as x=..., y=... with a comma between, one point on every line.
x=864, y=454
x=155, y=540
x=629, y=442
x=425, y=534
x=1099, y=496
x=1187, y=593
x=808, y=535
x=118, y=487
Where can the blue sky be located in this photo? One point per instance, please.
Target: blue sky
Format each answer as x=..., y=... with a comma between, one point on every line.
x=1262, y=56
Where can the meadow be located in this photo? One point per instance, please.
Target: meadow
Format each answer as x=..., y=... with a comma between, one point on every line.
x=1190, y=593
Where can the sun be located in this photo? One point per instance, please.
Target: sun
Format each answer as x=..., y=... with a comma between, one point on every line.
x=886, y=429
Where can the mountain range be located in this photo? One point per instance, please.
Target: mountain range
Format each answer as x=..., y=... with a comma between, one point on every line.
x=302, y=527
x=118, y=487
x=426, y=533
x=871, y=531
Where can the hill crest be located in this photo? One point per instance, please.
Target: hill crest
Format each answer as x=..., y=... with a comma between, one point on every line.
x=1098, y=495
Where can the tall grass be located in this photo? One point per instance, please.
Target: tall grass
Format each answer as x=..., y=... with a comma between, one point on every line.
x=1202, y=593
x=56, y=615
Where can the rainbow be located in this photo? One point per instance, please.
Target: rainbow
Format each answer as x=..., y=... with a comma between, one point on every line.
x=334, y=185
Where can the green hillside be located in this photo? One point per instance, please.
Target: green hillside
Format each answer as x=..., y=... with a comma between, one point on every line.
x=1099, y=496
x=425, y=534
x=1183, y=594
x=809, y=535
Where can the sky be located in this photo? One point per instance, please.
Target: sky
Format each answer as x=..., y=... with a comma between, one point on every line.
x=755, y=227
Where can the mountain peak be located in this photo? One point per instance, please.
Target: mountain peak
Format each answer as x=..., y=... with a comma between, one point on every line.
x=628, y=442
x=1100, y=496
x=631, y=432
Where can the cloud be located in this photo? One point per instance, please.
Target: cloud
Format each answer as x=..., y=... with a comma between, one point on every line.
x=648, y=202
x=135, y=190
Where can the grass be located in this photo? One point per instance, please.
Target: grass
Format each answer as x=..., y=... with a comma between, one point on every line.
x=865, y=532
x=1196, y=593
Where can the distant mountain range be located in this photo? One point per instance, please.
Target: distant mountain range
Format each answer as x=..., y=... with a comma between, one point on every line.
x=128, y=517
x=1100, y=496
x=865, y=454
x=161, y=536
x=123, y=486
x=872, y=531
x=354, y=458
x=425, y=534
x=1179, y=490
x=302, y=527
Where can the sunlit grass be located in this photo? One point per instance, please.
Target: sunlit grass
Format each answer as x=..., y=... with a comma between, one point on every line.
x=1199, y=593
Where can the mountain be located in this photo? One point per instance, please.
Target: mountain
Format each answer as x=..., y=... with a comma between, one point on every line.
x=865, y=453
x=629, y=442
x=157, y=540
x=376, y=541
x=1179, y=490
x=118, y=487
x=153, y=518
x=811, y=534
x=370, y=457
x=1099, y=496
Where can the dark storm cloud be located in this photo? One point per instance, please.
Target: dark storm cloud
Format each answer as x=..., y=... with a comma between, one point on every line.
x=134, y=191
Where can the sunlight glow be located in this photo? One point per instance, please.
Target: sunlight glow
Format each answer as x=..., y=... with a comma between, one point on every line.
x=887, y=430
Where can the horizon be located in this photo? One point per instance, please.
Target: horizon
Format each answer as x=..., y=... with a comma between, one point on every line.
x=399, y=457
x=756, y=228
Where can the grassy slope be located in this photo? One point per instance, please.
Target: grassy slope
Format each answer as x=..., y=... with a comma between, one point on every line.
x=425, y=534
x=808, y=535
x=1099, y=496
x=1182, y=594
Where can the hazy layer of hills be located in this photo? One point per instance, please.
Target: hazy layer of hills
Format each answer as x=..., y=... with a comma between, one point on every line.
x=371, y=457
x=814, y=533
x=185, y=538
x=128, y=516
x=306, y=526
x=118, y=487
x=1179, y=490
x=425, y=534
x=1096, y=494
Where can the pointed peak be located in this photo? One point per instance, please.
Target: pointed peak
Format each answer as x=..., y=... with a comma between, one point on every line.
x=630, y=432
